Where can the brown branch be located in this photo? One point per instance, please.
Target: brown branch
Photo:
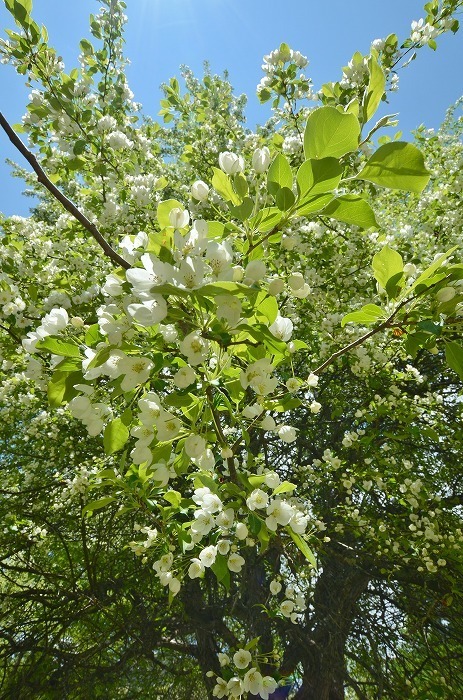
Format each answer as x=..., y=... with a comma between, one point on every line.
x=363, y=338
x=57, y=194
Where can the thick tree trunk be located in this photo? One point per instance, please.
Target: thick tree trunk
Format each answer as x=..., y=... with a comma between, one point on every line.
x=336, y=594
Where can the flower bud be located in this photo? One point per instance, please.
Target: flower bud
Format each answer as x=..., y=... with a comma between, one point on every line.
x=179, y=217
x=261, y=159
x=230, y=163
x=276, y=286
x=200, y=190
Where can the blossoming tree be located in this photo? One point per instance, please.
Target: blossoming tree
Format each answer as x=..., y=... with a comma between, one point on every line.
x=230, y=462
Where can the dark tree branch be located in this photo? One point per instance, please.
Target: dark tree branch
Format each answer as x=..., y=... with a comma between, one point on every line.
x=57, y=194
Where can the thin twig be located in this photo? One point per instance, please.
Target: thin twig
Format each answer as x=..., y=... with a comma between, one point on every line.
x=57, y=194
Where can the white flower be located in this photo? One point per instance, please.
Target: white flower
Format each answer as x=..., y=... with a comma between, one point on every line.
x=315, y=407
x=174, y=586
x=179, y=218
x=257, y=499
x=220, y=689
x=253, y=682
x=235, y=563
x=196, y=568
x=153, y=273
x=312, y=380
x=445, y=294
x=167, y=426
x=272, y=480
x=287, y=433
x=276, y=286
x=149, y=313
x=242, y=658
x=230, y=163
x=293, y=385
x=261, y=159
x=224, y=659
x=200, y=190
x=235, y=687
x=255, y=271
x=268, y=423
x=275, y=587
x=164, y=563
x=229, y=308
x=161, y=473
x=282, y=328
x=208, y=555
x=298, y=522
x=287, y=607
x=296, y=280
x=223, y=547
x=204, y=522
x=279, y=513
x=136, y=370
x=241, y=531
x=195, y=348
x=225, y=518
x=269, y=685
x=208, y=501
x=184, y=377
x=252, y=411
x=220, y=256
x=194, y=446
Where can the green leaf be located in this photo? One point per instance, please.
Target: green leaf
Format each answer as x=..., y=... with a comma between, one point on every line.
x=284, y=487
x=284, y=199
x=222, y=184
x=429, y=272
x=366, y=315
x=388, y=269
x=164, y=209
x=240, y=184
x=256, y=480
x=97, y=505
x=115, y=436
x=454, y=357
x=58, y=347
x=302, y=545
x=221, y=571
x=61, y=387
x=266, y=219
x=279, y=174
x=173, y=497
x=351, y=209
x=318, y=176
x=244, y=210
x=375, y=89
x=313, y=204
x=330, y=133
x=397, y=165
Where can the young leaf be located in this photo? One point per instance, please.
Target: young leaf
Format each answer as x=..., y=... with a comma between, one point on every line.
x=279, y=175
x=351, y=209
x=366, y=315
x=302, y=545
x=115, y=436
x=97, y=505
x=398, y=165
x=222, y=184
x=388, y=269
x=454, y=357
x=164, y=209
x=375, y=90
x=318, y=176
x=58, y=347
x=330, y=133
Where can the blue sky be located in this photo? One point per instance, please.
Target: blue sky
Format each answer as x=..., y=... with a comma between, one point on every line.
x=235, y=34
